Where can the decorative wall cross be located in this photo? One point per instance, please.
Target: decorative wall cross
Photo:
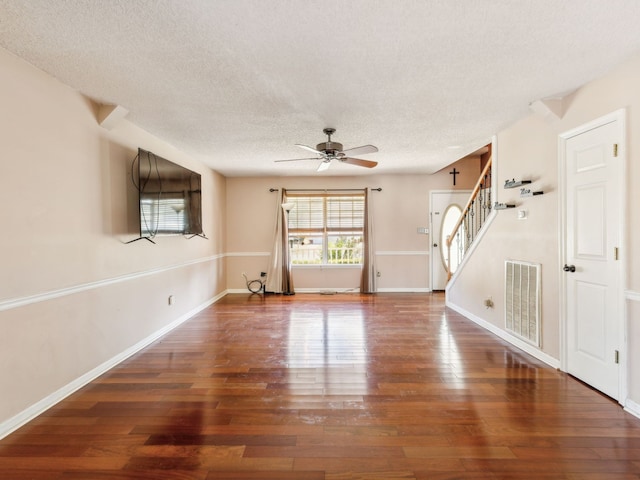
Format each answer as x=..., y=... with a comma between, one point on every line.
x=454, y=173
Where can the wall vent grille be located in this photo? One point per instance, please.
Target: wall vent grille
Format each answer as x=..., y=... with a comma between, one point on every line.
x=522, y=300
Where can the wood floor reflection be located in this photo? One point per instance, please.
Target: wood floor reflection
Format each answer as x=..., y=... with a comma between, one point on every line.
x=343, y=387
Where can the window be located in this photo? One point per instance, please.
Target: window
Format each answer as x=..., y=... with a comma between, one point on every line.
x=449, y=220
x=326, y=229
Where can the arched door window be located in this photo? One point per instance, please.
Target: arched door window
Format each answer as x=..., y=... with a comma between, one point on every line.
x=449, y=220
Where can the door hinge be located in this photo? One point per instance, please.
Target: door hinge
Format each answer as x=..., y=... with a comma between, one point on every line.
x=615, y=149
x=615, y=253
x=617, y=356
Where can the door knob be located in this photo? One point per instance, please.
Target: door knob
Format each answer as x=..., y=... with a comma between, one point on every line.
x=569, y=268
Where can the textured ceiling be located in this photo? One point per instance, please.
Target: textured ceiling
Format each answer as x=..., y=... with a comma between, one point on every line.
x=237, y=83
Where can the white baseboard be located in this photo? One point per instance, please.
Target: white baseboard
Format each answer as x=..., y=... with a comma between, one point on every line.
x=49, y=401
x=298, y=290
x=344, y=290
x=244, y=290
x=632, y=407
x=515, y=341
x=328, y=290
x=398, y=253
x=404, y=290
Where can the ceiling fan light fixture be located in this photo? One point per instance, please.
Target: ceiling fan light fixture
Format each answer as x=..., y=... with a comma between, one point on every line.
x=324, y=165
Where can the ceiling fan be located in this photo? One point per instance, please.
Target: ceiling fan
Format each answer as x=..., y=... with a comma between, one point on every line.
x=329, y=150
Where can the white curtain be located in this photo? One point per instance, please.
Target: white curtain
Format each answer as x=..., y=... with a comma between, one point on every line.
x=279, y=279
x=368, y=278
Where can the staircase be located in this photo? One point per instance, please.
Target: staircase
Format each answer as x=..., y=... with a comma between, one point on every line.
x=472, y=218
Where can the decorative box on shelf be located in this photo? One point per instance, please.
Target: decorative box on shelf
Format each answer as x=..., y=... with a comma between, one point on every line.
x=526, y=192
x=502, y=206
x=513, y=183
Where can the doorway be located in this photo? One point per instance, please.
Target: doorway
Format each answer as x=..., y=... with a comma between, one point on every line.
x=592, y=178
x=445, y=209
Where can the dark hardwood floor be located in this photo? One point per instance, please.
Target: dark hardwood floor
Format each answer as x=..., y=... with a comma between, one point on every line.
x=343, y=387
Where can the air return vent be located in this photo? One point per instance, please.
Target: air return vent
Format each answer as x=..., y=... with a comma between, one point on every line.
x=522, y=300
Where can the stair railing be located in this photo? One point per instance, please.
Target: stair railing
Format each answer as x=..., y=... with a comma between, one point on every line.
x=472, y=217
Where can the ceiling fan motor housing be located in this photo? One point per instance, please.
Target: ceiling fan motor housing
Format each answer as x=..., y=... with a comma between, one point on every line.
x=330, y=148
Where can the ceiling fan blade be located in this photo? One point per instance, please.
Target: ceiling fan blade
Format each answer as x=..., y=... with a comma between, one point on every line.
x=324, y=165
x=296, y=159
x=306, y=147
x=359, y=162
x=363, y=150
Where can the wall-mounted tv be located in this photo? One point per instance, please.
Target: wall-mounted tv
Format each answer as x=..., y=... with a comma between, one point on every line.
x=170, y=197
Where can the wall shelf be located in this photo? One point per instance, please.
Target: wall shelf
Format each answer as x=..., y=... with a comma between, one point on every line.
x=513, y=183
x=502, y=206
x=526, y=192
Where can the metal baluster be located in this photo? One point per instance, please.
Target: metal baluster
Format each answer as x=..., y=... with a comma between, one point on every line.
x=484, y=199
x=472, y=213
x=467, y=232
x=481, y=204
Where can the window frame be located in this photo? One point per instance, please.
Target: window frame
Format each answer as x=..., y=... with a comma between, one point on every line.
x=333, y=224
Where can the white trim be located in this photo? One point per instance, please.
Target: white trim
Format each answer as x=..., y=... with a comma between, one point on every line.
x=247, y=254
x=421, y=253
x=49, y=401
x=503, y=334
x=404, y=290
x=562, y=221
x=43, y=297
x=619, y=116
x=632, y=296
x=328, y=290
x=632, y=407
x=629, y=405
x=494, y=168
x=341, y=290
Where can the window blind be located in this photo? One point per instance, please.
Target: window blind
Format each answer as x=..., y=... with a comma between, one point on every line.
x=345, y=213
x=307, y=214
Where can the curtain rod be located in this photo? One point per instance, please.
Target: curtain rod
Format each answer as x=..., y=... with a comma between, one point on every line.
x=379, y=189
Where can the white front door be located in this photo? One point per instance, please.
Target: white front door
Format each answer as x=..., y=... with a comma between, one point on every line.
x=593, y=168
x=444, y=205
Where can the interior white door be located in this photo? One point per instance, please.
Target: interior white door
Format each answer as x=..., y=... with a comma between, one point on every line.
x=593, y=176
x=442, y=205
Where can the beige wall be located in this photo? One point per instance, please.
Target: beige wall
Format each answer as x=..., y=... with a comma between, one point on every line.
x=399, y=209
x=72, y=295
x=524, y=151
x=529, y=149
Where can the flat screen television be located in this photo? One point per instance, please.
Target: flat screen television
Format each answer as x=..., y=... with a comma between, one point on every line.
x=170, y=197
